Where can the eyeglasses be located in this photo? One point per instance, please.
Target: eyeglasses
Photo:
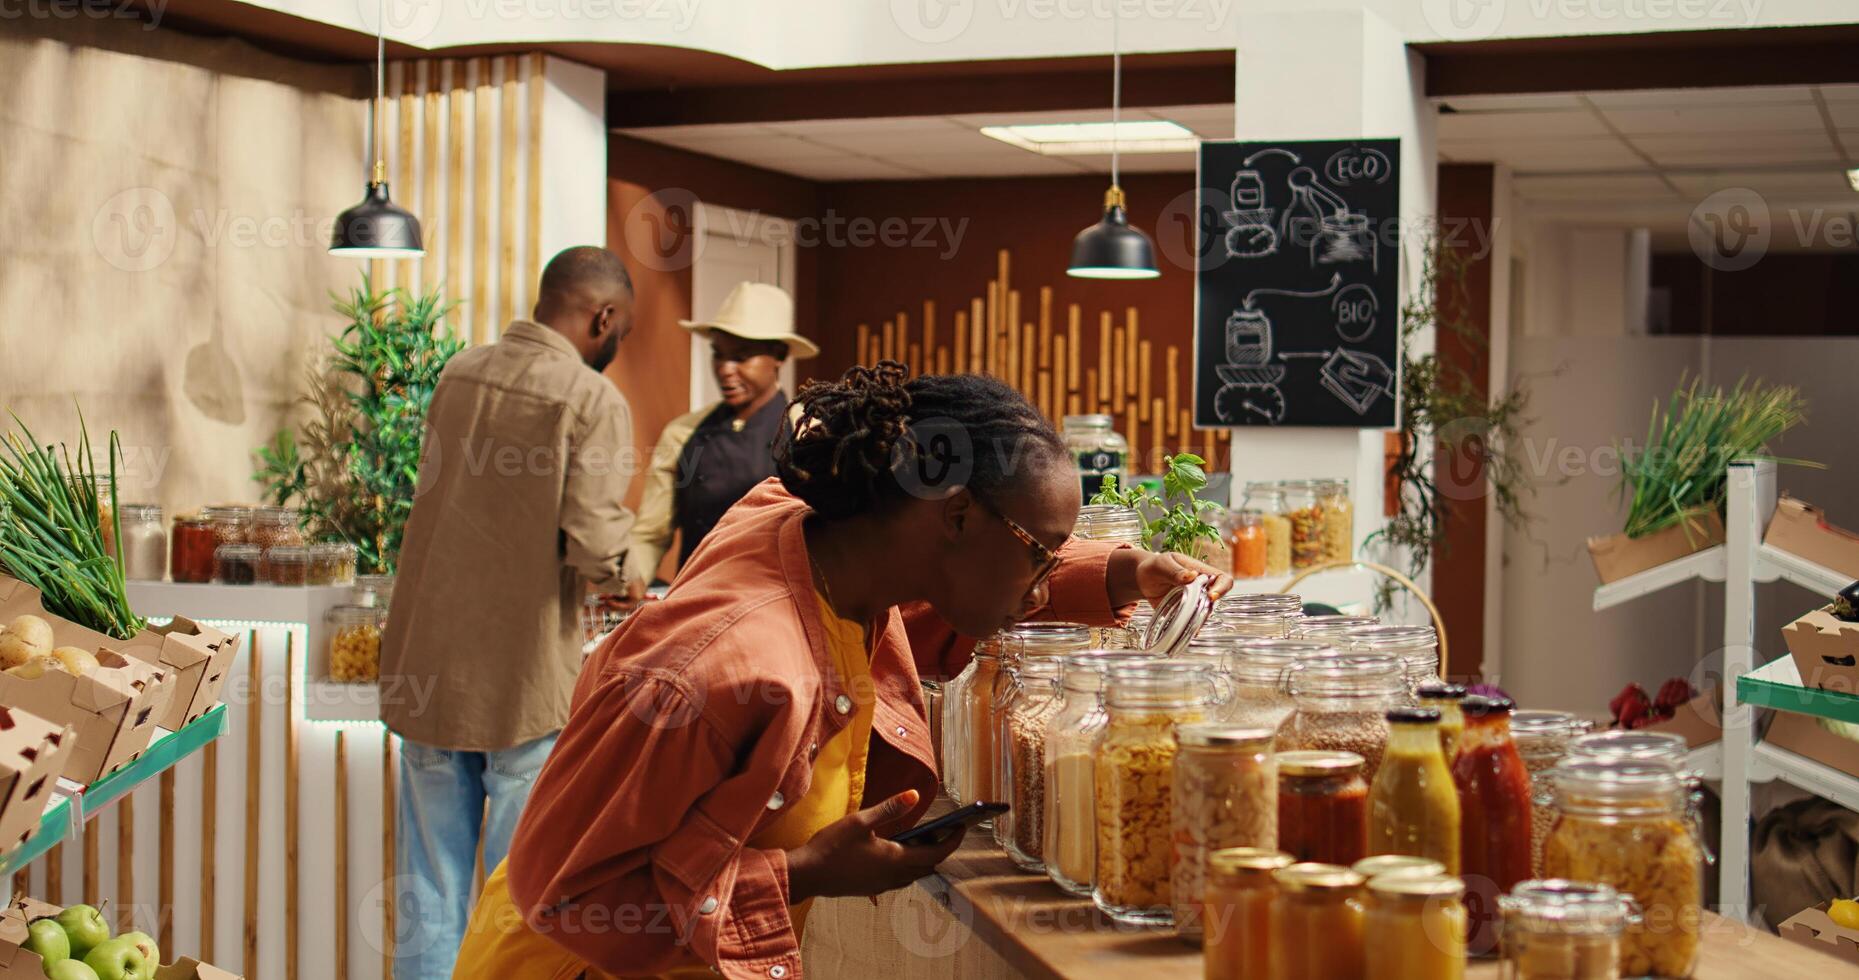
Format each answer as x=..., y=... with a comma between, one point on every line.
x=1045, y=558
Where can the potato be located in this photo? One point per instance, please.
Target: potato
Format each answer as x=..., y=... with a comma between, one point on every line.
x=75, y=661
x=32, y=669
x=14, y=650
x=36, y=633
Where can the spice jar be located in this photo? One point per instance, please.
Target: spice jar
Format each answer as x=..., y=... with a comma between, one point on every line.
x=1109, y=522
x=1417, y=647
x=1414, y=928
x=373, y=590
x=145, y=543
x=1413, y=806
x=1543, y=739
x=1238, y=919
x=1247, y=540
x=1339, y=520
x=332, y=563
x=1564, y=930
x=1256, y=670
x=1318, y=912
x=355, y=643
x=191, y=549
x=232, y=524
x=1331, y=628
x=1225, y=795
x=1322, y=806
x=274, y=526
x=1445, y=698
x=1377, y=865
x=1494, y=808
x=1028, y=715
x=1308, y=524
x=1098, y=449
x=1341, y=704
x=235, y=564
x=1624, y=823
x=1134, y=773
x=1268, y=501
x=287, y=564
x=1070, y=808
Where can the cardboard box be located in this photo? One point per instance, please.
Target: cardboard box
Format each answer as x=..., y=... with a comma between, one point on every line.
x=1806, y=737
x=1825, y=650
x=20, y=964
x=1801, y=529
x=1698, y=721
x=1617, y=556
x=1812, y=927
x=197, y=657
x=113, y=709
x=33, y=752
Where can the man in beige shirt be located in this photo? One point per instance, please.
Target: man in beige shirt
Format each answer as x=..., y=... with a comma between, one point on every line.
x=528, y=454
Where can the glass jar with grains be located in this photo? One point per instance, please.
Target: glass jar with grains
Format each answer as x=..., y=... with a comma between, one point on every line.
x=1018, y=645
x=1342, y=703
x=1225, y=795
x=1238, y=917
x=1564, y=930
x=1319, y=922
x=1268, y=501
x=232, y=524
x=1029, y=714
x=1134, y=775
x=1414, y=928
x=1417, y=647
x=1322, y=807
x=1257, y=671
x=236, y=564
x=287, y=564
x=1624, y=824
x=1070, y=810
x=1309, y=523
x=273, y=526
x=1543, y=739
x=1339, y=520
x=1109, y=522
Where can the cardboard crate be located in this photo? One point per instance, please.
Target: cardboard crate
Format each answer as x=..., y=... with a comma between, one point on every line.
x=197, y=657
x=33, y=752
x=1801, y=529
x=113, y=710
x=1825, y=650
x=1812, y=927
x=1698, y=721
x=20, y=964
x=1617, y=556
x=1806, y=737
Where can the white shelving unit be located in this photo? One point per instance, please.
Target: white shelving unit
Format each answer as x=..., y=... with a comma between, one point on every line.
x=1739, y=759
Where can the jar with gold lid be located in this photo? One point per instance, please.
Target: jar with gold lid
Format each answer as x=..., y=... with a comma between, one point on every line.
x=1237, y=923
x=1318, y=919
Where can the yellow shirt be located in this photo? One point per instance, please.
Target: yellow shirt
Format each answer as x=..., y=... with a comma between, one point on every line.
x=836, y=790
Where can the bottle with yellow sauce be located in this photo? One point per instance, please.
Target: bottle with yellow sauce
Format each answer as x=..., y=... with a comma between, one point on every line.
x=1414, y=928
x=1413, y=806
x=1445, y=698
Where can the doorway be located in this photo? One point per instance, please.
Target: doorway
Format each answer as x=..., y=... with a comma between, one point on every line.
x=735, y=246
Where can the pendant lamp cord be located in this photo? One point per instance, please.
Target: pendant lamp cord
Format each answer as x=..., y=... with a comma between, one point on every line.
x=380, y=92
x=1116, y=89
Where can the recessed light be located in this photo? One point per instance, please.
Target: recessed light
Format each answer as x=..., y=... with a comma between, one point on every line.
x=1074, y=139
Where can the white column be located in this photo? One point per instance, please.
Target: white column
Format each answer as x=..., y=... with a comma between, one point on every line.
x=574, y=158
x=1335, y=74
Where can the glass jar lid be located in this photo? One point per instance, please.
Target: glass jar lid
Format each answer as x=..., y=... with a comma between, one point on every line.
x=287, y=554
x=1088, y=422
x=1432, y=888
x=1085, y=670
x=237, y=552
x=1319, y=762
x=1310, y=876
x=1287, y=601
x=1618, y=782
x=1219, y=735
x=1330, y=626
x=1397, y=864
x=1043, y=639
x=144, y=513
x=1644, y=746
x=275, y=515
x=332, y=549
x=352, y=615
x=1264, y=661
x=1545, y=725
x=1568, y=907
x=1346, y=675
x=1107, y=522
x=1181, y=615
x=1158, y=684
x=232, y=513
x=1236, y=861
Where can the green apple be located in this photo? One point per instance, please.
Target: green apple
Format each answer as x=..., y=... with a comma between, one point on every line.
x=47, y=938
x=70, y=970
x=121, y=959
x=146, y=943
x=84, y=927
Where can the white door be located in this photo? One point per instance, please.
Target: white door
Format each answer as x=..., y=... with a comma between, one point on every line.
x=734, y=246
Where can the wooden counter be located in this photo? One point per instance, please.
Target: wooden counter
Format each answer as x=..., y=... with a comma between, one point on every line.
x=1031, y=929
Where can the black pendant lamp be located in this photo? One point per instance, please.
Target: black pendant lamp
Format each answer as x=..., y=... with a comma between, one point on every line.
x=377, y=228
x=1111, y=249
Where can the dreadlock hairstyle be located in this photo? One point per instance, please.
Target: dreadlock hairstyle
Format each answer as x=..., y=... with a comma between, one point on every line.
x=872, y=438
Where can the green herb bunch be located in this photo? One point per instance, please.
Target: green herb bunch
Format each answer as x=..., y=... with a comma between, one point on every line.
x=1180, y=524
x=51, y=531
x=352, y=467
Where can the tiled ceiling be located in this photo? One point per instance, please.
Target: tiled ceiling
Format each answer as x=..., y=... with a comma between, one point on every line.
x=918, y=147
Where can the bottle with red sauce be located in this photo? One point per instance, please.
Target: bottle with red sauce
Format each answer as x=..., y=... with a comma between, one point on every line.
x=1495, y=804
x=1323, y=807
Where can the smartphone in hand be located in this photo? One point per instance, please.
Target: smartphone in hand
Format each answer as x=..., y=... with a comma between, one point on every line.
x=938, y=830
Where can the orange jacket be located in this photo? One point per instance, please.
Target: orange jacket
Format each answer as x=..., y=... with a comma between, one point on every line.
x=693, y=723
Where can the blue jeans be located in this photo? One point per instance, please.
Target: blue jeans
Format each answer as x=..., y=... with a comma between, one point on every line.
x=446, y=797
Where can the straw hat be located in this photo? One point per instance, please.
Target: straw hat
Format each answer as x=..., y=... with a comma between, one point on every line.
x=757, y=311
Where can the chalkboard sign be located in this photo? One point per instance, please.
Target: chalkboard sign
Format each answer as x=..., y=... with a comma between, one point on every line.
x=1295, y=295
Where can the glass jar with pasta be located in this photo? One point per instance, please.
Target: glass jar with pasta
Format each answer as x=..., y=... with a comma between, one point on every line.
x=1564, y=930
x=1238, y=919
x=1268, y=501
x=354, y=643
x=1342, y=703
x=1134, y=775
x=1070, y=824
x=1309, y=523
x=1624, y=823
x=1029, y=715
x=1414, y=928
x=1543, y=739
x=1225, y=795
x=1339, y=520
x=1417, y=647
x=1318, y=916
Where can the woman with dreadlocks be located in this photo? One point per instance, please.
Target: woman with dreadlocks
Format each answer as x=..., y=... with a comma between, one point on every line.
x=750, y=742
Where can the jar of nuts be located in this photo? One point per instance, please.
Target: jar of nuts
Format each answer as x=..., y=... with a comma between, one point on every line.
x=355, y=643
x=1029, y=713
x=1342, y=703
x=1225, y=794
x=1134, y=774
x=1070, y=807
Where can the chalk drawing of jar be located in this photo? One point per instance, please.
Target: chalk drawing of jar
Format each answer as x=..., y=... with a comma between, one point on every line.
x=1251, y=235
x=1320, y=219
x=1248, y=338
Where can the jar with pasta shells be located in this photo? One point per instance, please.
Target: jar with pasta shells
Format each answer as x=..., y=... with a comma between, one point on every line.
x=1134, y=777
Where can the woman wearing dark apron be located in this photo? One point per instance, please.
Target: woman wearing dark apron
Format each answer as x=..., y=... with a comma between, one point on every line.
x=706, y=460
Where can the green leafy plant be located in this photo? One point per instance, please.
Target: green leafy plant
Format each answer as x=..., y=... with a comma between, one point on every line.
x=51, y=530
x=1446, y=416
x=351, y=468
x=1682, y=471
x=1179, y=525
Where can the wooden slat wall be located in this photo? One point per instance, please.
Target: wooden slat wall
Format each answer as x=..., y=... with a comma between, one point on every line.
x=463, y=142
x=1058, y=368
